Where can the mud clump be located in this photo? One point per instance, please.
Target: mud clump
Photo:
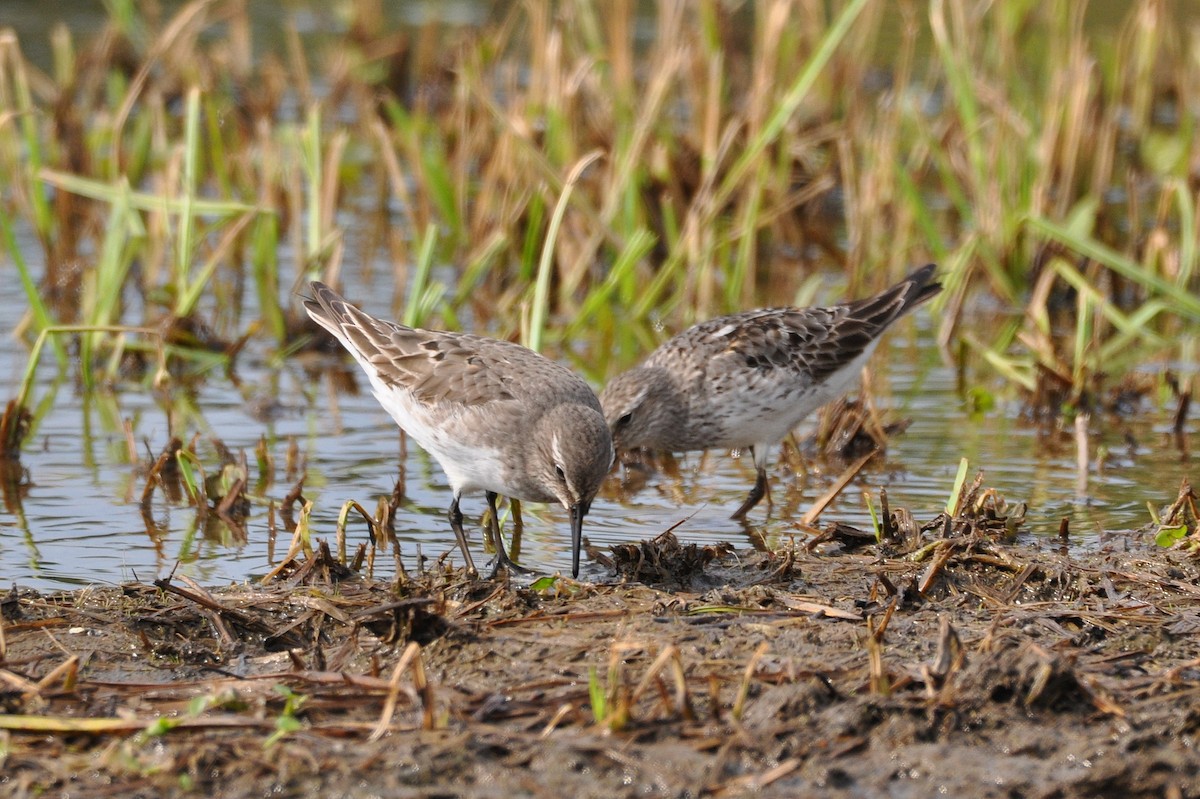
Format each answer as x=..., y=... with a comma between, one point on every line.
x=660, y=561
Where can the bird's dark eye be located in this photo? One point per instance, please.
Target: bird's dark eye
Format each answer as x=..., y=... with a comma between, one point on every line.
x=625, y=419
x=561, y=474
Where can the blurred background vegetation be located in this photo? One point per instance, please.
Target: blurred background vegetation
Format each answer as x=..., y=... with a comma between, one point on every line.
x=588, y=177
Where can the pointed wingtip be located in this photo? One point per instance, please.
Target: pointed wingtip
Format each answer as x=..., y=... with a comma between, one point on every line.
x=920, y=286
x=321, y=293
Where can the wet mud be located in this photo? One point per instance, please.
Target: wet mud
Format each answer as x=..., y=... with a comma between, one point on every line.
x=951, y=657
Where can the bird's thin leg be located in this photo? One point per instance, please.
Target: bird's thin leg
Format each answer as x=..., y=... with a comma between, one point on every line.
x=756, y=493
x=456, y=520
x=502, y=560
x=762, y=470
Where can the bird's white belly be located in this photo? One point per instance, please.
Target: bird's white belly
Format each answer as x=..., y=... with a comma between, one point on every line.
x=468, y=465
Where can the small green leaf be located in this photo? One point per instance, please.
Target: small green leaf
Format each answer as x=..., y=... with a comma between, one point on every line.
x=1170, y=536
x=980, y=401
x=284, y=726
x=159, y=727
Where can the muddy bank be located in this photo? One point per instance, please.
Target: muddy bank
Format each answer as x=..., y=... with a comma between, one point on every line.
x=944, y=660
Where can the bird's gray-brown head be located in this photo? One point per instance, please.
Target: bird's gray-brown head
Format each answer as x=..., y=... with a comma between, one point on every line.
x=644, y=409
x=571, y=453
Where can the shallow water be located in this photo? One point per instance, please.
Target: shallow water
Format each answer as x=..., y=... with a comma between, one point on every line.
x=79, y=521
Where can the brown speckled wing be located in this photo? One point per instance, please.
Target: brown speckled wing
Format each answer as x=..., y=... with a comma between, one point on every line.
x=441, y=368
x=436, y=367
x=815, y=342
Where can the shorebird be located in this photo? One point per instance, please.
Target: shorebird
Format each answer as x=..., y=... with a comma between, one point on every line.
x=497, y=417
x=745, y=380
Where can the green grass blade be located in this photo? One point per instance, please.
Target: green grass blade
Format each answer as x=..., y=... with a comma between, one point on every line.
x=790, y=103
x=310, y=144
x=1185, y=303
x=597, y=697
x=418, y=305
x=41, y=314
x=954, y=501
x=186, y=224
x=28, y=114
x=142, y=201
x=1186, y=202
x=541, y=292
x=638, y=246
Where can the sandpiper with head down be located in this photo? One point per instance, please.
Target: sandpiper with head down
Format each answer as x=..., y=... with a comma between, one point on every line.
x=747, y=379
x=497, y=417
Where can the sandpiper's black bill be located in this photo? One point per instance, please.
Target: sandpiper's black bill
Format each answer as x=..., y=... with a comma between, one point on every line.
x=577, y=514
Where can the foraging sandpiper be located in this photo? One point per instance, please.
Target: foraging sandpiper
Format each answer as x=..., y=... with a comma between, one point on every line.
x=497, y=416
x=747, y=379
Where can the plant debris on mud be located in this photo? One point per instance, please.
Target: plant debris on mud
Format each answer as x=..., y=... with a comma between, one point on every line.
x=941, y=659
